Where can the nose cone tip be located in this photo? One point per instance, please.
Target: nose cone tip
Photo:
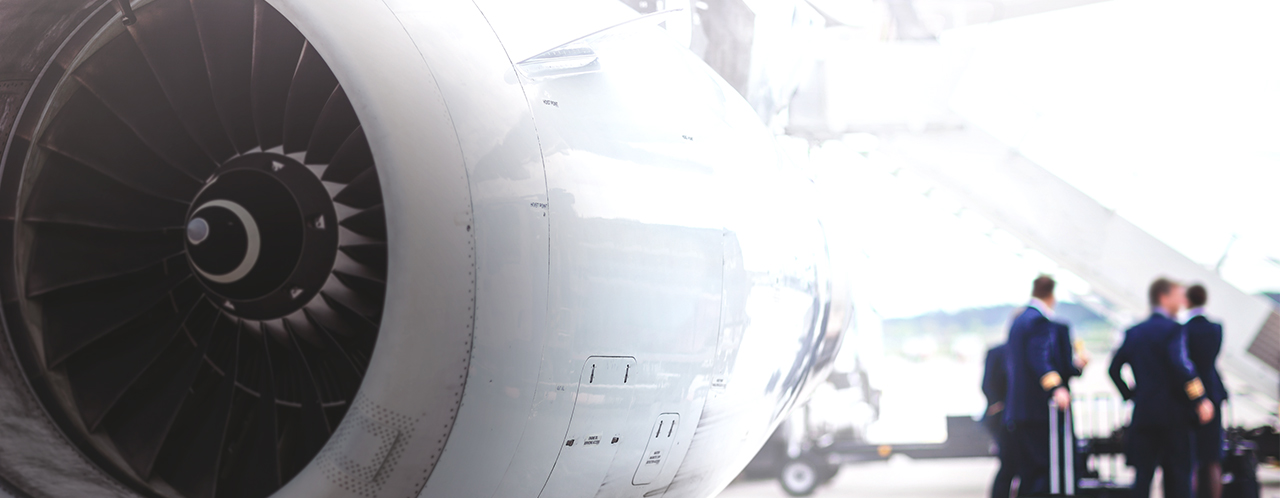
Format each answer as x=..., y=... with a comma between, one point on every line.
x=197, y=230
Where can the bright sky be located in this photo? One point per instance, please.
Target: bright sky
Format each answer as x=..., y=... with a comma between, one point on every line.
x=1167, y=111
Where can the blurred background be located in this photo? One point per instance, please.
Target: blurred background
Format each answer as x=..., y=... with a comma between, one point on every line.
x=967, y=146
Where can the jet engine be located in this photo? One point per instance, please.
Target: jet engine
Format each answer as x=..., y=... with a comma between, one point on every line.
x=367, y=248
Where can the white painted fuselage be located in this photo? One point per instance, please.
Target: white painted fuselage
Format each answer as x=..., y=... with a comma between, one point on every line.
x=652, y=280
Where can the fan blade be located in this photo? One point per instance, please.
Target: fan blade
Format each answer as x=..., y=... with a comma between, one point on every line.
x=370, y=223
x=71, y=193
x=363, y=192
x=222, y=352
x=254, y=368
x=191, y=463
x=336, y=376
x=350, y=160
x=368, y=288
x=119, y=76
x=313, y=83
x=68, y=255
x=166, y=35
x=107, y=368
x=254, y=469
x=87, y=131
x=355, y=347
x=277, y=46
x=307, y=429
x=356, y=319
x=373, y=256
x=143, y=418
x=335, y=124
x=354, y=302
x=78, y=316
x=226, y=33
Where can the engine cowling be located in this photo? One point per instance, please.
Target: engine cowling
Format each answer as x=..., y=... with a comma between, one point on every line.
x=365, y=248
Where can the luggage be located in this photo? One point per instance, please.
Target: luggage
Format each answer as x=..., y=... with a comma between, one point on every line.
x=1240, y=467
x=1069, y=471
x=1062, y=452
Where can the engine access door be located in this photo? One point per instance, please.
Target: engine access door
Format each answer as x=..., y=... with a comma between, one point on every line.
x=600, y=411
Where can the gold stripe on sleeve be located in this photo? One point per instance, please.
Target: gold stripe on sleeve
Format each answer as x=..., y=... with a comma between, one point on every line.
x=1195, y=388
x=1050, y=381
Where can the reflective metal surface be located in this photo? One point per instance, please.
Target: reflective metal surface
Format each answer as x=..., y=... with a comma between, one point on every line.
x=603, y=279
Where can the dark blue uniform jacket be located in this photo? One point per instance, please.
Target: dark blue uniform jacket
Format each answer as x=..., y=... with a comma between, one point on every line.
x=1204, y=340
x=1166, y=381
x=1063, y=353
x=995, y=380
x=1029, y=365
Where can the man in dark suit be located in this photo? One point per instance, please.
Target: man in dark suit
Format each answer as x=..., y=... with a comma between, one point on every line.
x=1204, y=340
x=1032, y=382
x=1069, y=365
x=995, y=383
x=1065, y=362
x=1168, y=396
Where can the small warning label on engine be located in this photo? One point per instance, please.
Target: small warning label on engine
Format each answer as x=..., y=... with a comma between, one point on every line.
x=661, y=438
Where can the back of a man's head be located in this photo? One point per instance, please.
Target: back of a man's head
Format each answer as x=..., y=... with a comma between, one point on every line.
x=1042, y=287
x=1197, y=296
x=1160, y=288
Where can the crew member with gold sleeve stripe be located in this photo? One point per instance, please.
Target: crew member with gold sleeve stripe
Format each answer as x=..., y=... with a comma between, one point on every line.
x=1032, y=382
x=1204, y=341
x=1168, y=396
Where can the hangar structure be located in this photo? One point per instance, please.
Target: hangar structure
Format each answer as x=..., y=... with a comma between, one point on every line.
x=923, y=136
x=1113, y=255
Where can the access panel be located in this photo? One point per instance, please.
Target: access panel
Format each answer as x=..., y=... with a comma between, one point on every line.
x=658, y=449
x=600, y=411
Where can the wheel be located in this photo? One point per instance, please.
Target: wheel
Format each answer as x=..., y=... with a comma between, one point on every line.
x=829, y=472
x=800, y=477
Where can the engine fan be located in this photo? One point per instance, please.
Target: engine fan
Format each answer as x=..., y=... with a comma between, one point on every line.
x=201, y=250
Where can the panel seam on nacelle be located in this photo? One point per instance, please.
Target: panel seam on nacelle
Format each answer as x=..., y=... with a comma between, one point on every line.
x=471, y=243
x=543, y=163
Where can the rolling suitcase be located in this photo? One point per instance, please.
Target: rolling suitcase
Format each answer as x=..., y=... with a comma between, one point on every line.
x=1070, y=473
x=1062, y=452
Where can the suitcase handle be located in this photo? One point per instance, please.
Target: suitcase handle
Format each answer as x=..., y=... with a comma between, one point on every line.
x=1064, y=439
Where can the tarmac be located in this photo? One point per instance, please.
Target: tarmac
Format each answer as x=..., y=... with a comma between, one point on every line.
x=895, y=478
x=906, y=478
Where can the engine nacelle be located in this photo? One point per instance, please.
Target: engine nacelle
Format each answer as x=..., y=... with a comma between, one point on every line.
x=367, y=248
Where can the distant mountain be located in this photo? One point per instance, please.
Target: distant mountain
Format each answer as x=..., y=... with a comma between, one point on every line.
x=957, y=333
x=995, y=316
x=987, y=325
